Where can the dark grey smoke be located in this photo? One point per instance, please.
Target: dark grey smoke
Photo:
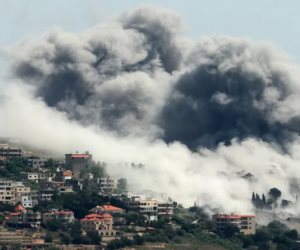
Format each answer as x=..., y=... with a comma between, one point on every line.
x=134, y=75
x=104, y=75
x=209, y=105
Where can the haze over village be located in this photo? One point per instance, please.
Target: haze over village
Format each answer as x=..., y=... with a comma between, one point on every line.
x=131, y=133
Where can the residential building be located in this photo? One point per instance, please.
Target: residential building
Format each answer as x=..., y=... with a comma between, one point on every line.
x=10, y=152
x=246, y=223
x=64, y=216
x=107, y=185
x=36, y=163
x=23, y=195
x=24, y=218
x=165, y=209
x=116, y=212
x=7, y=191
x=149, y=208
x=45, y=193
x=37, y=177
x=78, y=162
x=103, y=224
x=34, y=194
x=67, y=175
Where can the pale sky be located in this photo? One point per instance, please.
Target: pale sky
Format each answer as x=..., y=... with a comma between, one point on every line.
x=275, y=21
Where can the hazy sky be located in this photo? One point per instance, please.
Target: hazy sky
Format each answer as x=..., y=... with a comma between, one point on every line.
x=276, y=21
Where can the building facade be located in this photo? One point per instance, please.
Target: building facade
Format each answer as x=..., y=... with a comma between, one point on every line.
x=246, y=223
x=64, y=216
x=103, y=224
x=10, y=152
x=78, y=162
x=7, y=191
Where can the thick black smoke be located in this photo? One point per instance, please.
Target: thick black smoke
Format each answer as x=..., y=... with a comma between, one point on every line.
x=135, y=75
x=231, y=95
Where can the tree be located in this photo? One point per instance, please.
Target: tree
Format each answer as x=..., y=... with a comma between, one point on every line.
x=253, y=197
x=65, y=238
x=264, y=199
x=94, y=236
x=230, y=230
x=261, y=235
x=138, y=240
x=274, y=193
x=75, y=229
x=292, y=234
x=48, y=237
x=122, y=185
x=53, y=225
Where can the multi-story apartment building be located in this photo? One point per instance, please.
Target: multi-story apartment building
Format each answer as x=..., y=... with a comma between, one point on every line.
x=64, y=216
x=165, y=209
x=149, y=208
x=7, y=191
x=78, y=162
x=246, y=223
x=107, y=185
x=36, y=163
x=103, y=224
x=37, y=177
x=23, y=195
x=10, y=152
x=45, y=194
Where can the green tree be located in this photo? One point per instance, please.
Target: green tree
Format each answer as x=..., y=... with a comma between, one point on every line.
x=53, y=225
x=275, y=193
x=230, y=230
x=292, y=234
x=94, y=236
x=75, y=229
x=48, y=237
x=122, y=185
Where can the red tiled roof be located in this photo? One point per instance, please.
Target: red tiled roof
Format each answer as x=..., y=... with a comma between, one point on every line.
x=92, y=216
x=66, y=212
x=234, y=216
x=85, y=156
x=110, y=208
x=97, y=217
x=107, y=216
x=67, y=173
x=13, y=214
x=20, y=208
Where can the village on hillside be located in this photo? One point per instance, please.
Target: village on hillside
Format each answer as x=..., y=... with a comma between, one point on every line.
x=75, y=204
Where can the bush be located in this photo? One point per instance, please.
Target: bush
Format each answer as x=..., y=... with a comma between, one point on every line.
x=53, y=225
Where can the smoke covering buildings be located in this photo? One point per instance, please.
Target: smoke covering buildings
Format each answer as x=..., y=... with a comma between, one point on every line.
x=195, y=113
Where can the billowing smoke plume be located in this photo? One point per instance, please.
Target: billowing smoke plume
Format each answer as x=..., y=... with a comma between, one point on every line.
x=232, y=89
x=197, y=114
x=114, y=75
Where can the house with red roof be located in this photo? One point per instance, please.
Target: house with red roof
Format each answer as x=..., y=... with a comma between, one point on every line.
x=22, y=217
x=110, y=209
x=101, y=223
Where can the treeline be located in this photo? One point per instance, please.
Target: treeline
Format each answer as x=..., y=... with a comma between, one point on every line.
x=272, y=200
